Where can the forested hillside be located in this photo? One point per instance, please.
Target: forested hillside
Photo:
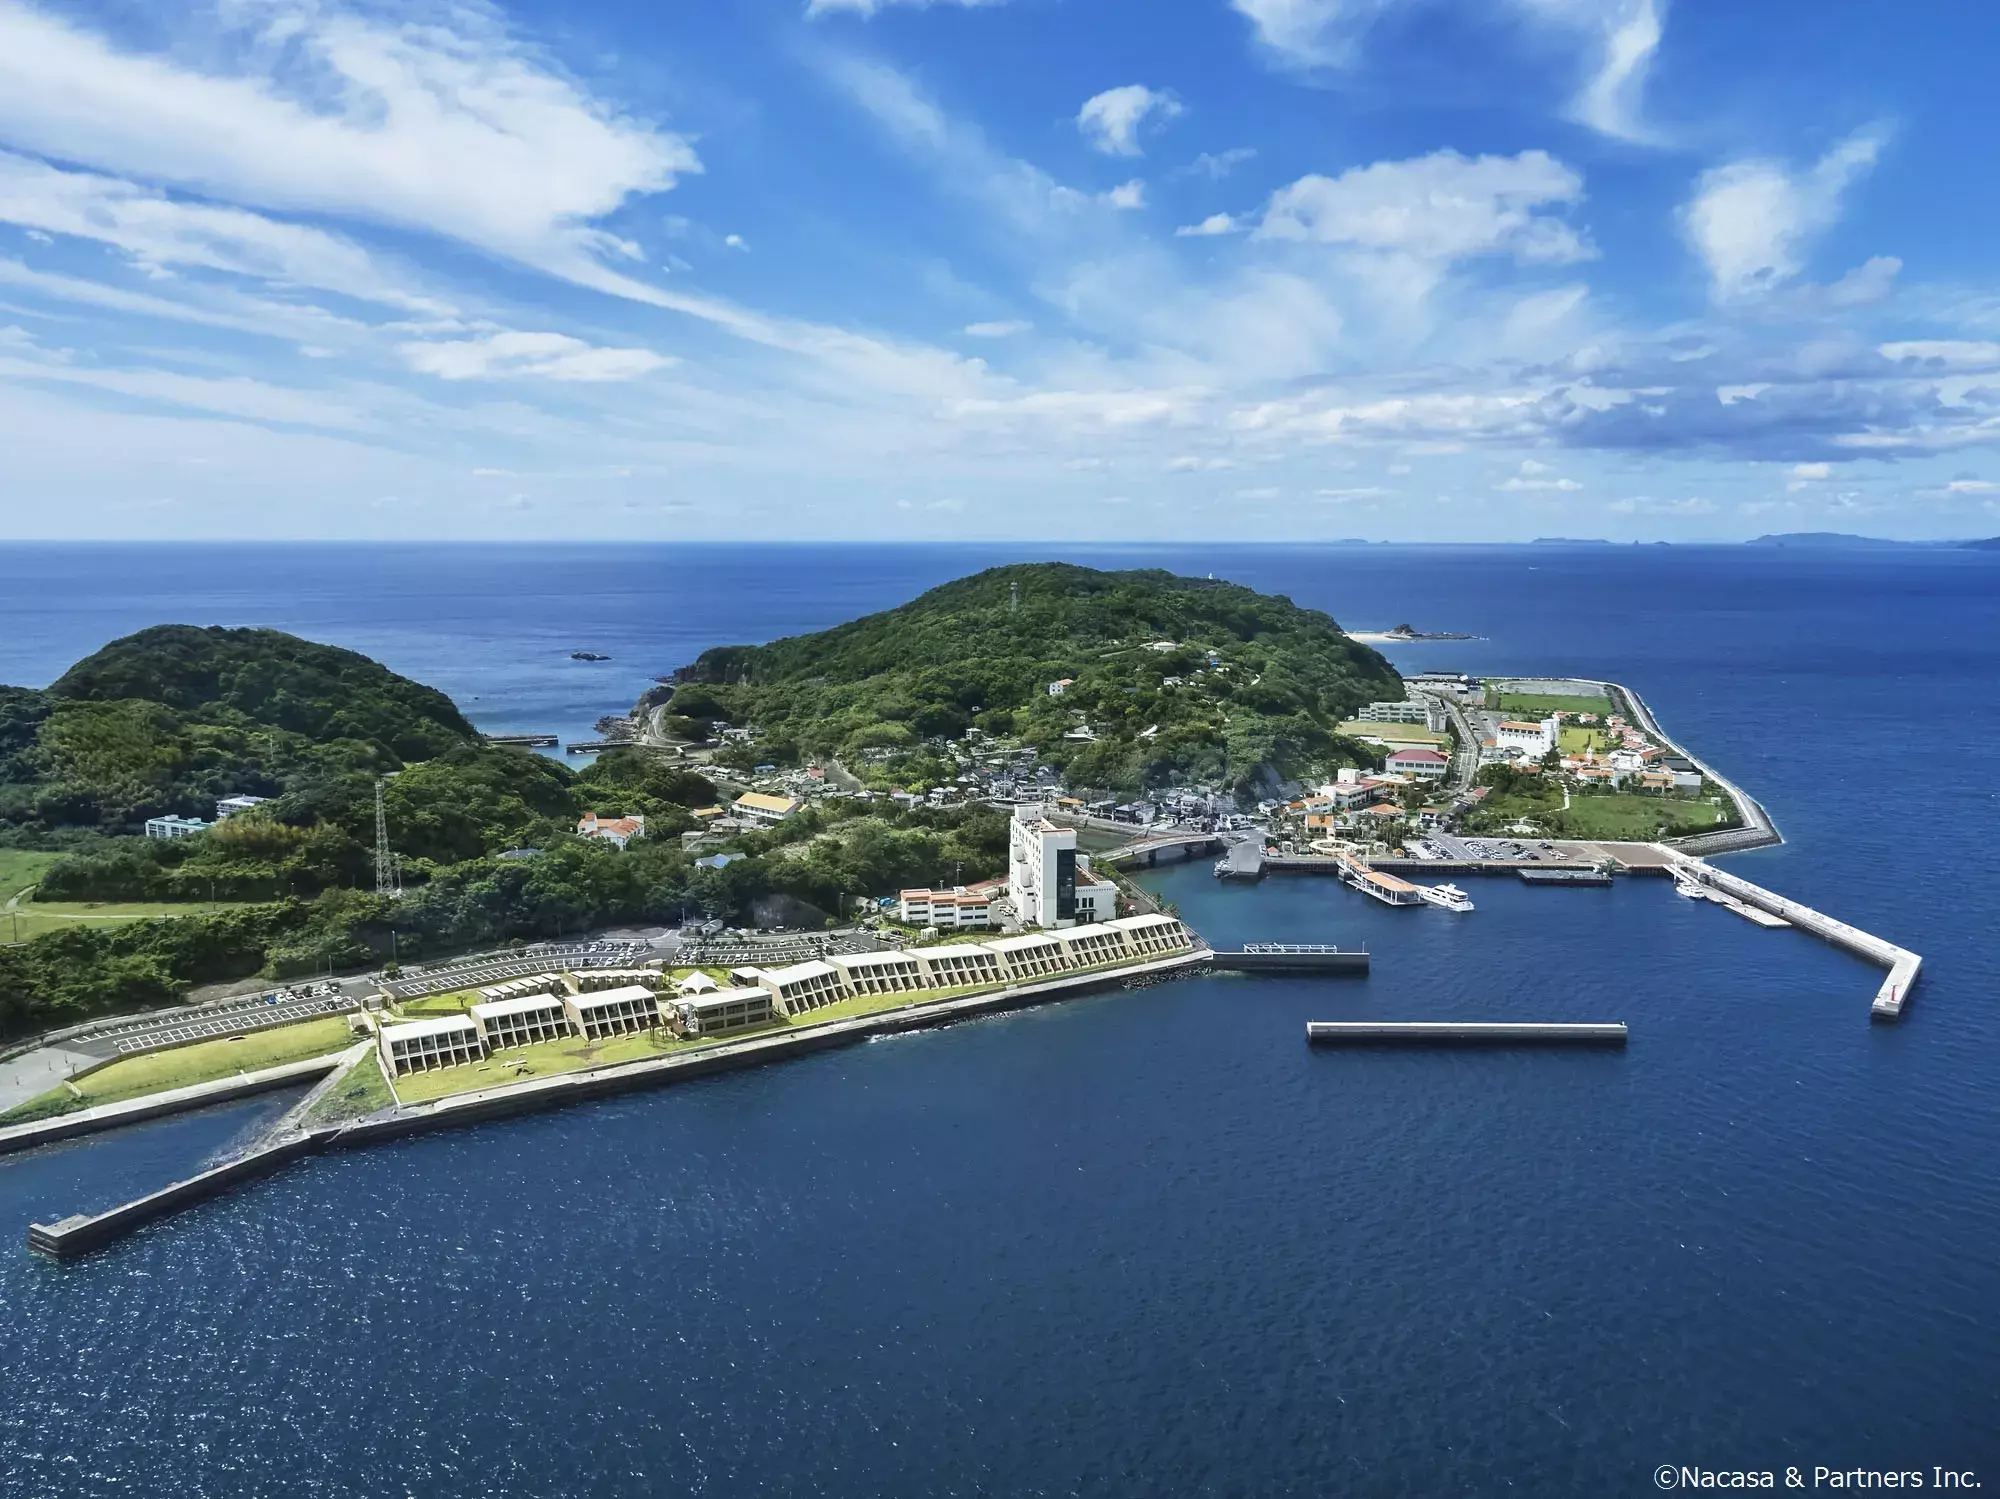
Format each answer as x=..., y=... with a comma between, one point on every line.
x=1174, y=679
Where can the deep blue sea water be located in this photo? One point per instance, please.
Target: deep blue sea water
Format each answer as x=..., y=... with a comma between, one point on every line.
x=1145, y=1243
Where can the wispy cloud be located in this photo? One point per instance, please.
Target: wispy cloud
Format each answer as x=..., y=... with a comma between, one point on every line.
x=1111, y=121
x=1752, y=222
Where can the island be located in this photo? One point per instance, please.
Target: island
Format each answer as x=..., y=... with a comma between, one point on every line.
x=284, y=865
x=1405, y=634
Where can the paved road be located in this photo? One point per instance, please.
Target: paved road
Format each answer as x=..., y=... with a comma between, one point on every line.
x=29, y=1076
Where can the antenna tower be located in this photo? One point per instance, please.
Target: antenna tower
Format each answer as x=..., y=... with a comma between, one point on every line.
x=1013, y=598
x=386, y=882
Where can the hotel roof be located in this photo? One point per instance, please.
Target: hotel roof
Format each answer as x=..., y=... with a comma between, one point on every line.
x=444, y=1025
x=526, y=1004
x=757, y=801
x=611, y=997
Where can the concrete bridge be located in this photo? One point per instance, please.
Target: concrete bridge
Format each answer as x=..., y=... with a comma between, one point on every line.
x=1164, y=848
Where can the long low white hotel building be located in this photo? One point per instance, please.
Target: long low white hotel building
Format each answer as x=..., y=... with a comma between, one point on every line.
x=760, y=997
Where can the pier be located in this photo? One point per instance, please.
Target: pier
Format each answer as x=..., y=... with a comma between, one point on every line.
x=1291, y=957
x=1389, y=889
x=1460, y=1033
x=1902, y=964
x=524, y=741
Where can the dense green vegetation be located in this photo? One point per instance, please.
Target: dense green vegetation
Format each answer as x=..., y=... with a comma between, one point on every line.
x=1179, y=679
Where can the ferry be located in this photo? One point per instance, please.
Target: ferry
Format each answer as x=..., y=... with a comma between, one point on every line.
x=1689, y=889
x=1450, y=897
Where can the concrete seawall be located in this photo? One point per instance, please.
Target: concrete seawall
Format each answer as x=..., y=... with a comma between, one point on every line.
x=153, y=1106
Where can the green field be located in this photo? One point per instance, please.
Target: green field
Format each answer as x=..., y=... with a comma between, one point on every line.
x=205, y=1061
x=1538, y=705
x=1577, y=741
x=1621, y=816
x=22, y=916
x=546, y=1059
x=363, y=1091
x=1395, y=733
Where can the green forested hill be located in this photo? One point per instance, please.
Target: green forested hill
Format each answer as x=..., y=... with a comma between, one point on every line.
x=1178, y=678
x=170, y=719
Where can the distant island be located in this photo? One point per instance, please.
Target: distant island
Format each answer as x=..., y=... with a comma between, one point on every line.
x=1403, y=634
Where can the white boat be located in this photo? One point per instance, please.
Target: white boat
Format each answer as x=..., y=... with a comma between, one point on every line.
x=1689, y=889
x=1450, y=897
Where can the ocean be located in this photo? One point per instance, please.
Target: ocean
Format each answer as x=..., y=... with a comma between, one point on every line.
x=1146, y=1243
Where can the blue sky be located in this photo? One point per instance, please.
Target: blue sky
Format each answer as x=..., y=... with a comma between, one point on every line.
x=1055, y=269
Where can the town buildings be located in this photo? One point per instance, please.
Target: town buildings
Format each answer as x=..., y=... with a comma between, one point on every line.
x=961, y=907
x=421, y=1045
x=1430, y=764
x=757, y=807
x=1532, y=739
x=175, y=827
x=229, y=806
x=720, y=1012
x=618, y=830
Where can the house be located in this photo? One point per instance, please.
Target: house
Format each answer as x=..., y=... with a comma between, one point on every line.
x=175, y=827
x=1383, y=811
x=759, y=807
x=422, y=1045
x=507, y=1023
x=719, y=1012
x=879, y=972
x=1031, y=955
x=803, y=987
x=1428, y=763
x=958, y=965
x=613, y=1012
x=1057, y=689
x=1151, y=936
x=949, y=910
x=1093, y=945
x=229, y=806
x=618, y=830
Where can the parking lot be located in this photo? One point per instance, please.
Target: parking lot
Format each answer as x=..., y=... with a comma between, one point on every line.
x=233, y=1022
x=497, y=969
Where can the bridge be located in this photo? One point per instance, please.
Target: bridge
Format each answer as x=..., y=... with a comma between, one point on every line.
x=1163, y=848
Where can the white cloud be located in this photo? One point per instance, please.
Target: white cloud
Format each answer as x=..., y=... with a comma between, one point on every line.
x=1441, y=207
x=1011, y=328
x=236, y=396
x=1190, y=463
x=1216, y=165
x=1619, y=39
x=1214, y=224
x=1693, y=505
x=1309, y=33
x=515, y=355
x=1110, y=121
x=1806, y=474
x=455, y=129
x=735, y=242
x=1127, y=195
x=157, y=231
x=1527, y=480
x=1751, y=222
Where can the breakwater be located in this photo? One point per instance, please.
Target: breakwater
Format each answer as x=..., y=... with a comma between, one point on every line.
x=1461, y=1033
x=17, y=1137
x=1290, y=957
x=1903, y=965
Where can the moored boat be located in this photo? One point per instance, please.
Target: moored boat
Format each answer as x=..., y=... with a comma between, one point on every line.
x=1449, y=897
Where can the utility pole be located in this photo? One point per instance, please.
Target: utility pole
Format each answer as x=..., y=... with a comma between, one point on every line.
x=1013, y=598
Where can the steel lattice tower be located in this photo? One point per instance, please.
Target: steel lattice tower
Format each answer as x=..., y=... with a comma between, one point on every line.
x=385, y=862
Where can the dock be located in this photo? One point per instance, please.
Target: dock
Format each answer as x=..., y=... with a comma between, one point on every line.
x=1461, y=1033
x=1291, y=957
x=524, y=741
x=1391, y=890
x=1581, y=877
x=1903, y=965
x=1243, y=861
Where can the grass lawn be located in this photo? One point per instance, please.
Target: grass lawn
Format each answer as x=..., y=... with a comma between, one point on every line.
x=363, y=1091
x=454, y=1003
x=546, y=1059
x=33, y=918
x=1539, y=705
x=1618, y=815
x=1577, y=741
x=19, y=869
x=159, y=1071
x=1395, y=733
